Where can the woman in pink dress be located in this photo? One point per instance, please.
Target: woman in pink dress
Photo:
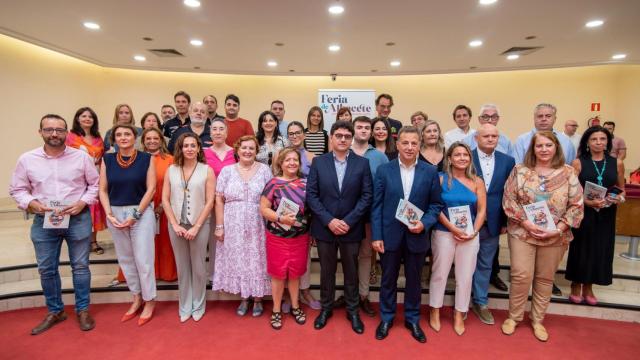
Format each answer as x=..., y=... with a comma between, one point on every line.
x=85, y=135
x=241, y=260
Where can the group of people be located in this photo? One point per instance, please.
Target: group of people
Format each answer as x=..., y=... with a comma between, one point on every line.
x=193, y=184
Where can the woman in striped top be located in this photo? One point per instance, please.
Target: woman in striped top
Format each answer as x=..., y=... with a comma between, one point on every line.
x=316, y=138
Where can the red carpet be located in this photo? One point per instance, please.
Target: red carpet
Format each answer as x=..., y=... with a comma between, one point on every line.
x=223, y=335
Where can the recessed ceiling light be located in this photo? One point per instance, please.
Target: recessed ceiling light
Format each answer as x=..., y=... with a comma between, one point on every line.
x=513, y=57
x=336, y=9
x=487, y=2
x=390, y=43
x=594, y=23
x=91, y=25
x=272, y=63
x=196, y=42
x=395, y=63
x=334, y=48
x=619, y=56
x=475, y=43
x=279, y=44
x=192, y=3
x=139, y=58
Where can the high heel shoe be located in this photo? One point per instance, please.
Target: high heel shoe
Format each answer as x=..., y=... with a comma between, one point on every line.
x=144, y=320
x=434, y=321
x=126, y=317
x=459, y=329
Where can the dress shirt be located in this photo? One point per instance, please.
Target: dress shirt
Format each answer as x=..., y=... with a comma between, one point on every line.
x=341, y=168
x=504, y=144
x=487, y=164
x=69, y=177
x=454, y=135
x=407, y=174
x=522, y=145
x=575, y=140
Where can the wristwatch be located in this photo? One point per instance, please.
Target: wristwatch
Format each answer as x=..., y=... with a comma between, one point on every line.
x=136, y=214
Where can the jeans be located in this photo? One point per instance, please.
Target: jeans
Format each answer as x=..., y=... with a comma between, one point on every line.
x=47, y=244
x=488, y=248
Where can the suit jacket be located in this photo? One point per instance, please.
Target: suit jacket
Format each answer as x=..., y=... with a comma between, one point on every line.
x=496, y=217
x=326, y=201
x=425, y=194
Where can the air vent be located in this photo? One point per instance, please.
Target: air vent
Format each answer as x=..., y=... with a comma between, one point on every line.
x=166, y=52
x=522, y=50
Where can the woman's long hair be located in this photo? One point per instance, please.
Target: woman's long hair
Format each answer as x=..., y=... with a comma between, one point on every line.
x=469, y=172
x=78, y=130
x=390, y=143
x=584, y=151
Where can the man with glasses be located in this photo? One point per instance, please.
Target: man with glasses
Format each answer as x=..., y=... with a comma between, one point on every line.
x=339, y=194
x=570, y=130
x=489, y=114
x=51, y=174
x=384, y=102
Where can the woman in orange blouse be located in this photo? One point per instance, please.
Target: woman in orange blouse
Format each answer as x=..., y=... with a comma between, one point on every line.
x=536, y=251
x=85, y=135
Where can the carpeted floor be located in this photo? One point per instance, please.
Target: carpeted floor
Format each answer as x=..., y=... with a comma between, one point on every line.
x=223, y=335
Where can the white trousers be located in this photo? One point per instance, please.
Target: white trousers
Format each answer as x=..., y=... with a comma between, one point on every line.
x=135, y=249
x=447, y=251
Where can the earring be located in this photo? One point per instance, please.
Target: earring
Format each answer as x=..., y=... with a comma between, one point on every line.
x=588, y=150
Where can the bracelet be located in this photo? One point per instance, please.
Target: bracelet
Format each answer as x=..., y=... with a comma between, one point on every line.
x=219, y=227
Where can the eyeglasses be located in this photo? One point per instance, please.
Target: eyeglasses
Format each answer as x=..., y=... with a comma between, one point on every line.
x=343, y=136
x=49, y=131
x=493, y=117
x=295, y=133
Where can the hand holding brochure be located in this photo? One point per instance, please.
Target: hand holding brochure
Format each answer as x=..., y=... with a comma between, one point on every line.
x=594, y=192
x=539, y=214
x=407, y=212
x=286, y=207
x=54, y=219
x=460, y=217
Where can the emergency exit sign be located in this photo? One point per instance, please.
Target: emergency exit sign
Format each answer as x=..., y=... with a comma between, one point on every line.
x=595, y=106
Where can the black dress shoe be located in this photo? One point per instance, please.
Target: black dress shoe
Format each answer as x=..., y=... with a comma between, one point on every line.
x=556, y=290
x=365, y=305
x=340, y=302
x=383, y=330
x=356, y=323
x=416, y=332
x=321, y=320
x=499, y=284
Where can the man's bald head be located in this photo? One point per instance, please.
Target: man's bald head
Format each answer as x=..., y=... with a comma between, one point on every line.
x=570, y=127
x=487, y=138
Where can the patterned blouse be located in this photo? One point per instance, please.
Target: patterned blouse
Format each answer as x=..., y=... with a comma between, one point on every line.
x=561, y=190
x=294, y=190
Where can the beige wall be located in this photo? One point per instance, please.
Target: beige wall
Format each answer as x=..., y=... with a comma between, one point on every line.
x=36, y=81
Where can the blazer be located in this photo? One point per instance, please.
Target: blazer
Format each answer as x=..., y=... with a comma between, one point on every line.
x=504, y=163
x=425, y=194
x=326, y=201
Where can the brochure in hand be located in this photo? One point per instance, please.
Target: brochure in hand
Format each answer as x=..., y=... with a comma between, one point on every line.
x=460, y=217
x=54, y=219
x=286, y=207
x=539, y=214
x=407, y=212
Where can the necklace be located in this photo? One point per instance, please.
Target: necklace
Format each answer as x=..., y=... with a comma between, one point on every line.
x=600, y=172
x=185, y=181
x=126, y=163
x=246, y=168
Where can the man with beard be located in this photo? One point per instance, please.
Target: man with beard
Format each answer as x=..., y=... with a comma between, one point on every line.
x=51, y=173
x=198, y=125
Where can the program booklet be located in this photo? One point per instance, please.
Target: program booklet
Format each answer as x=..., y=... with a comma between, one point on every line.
x=407, y=212
x=539, y=214
x=287, y=207
x=460, y=217
x=594, y=191
x=54, y=219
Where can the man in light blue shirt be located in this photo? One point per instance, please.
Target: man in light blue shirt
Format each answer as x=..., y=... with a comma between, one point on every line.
x=489, y=114
x=277, y=107
x=544, y=116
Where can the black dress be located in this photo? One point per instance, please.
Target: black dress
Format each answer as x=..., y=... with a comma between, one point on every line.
x=590, y=259
x=439, y=165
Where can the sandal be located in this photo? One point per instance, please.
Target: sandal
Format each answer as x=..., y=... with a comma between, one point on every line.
x=243, y=308
x=276, y=320
x=96, y=248
x=257, y=308
x=373, y=278
x=299, y=315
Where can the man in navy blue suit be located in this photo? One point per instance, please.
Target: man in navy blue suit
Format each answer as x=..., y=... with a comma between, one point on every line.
x=415, y=181
x=494, y=168
x=339, y=195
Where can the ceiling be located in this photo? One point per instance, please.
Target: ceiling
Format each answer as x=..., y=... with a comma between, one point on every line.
x=239, y=36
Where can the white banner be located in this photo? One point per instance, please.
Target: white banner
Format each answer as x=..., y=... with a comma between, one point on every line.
x=361, y=103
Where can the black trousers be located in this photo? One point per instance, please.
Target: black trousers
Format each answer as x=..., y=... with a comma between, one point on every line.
x=495, y=270
x=328, y=254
